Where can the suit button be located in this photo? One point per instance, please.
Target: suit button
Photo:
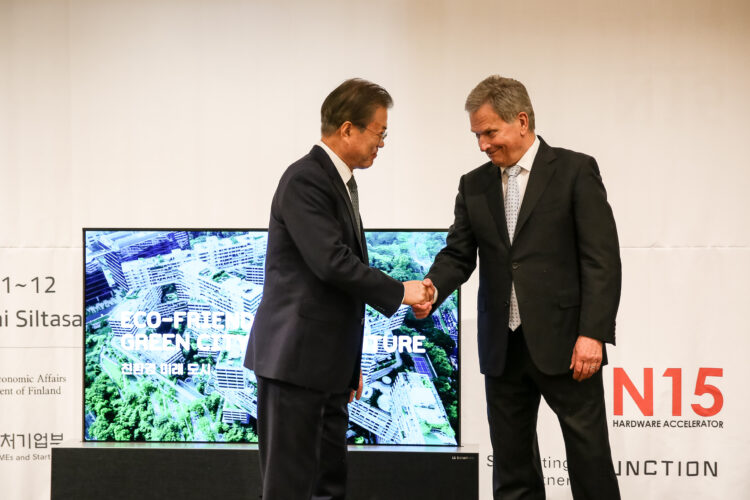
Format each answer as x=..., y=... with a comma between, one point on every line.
x=507, y=304
x=516, y=265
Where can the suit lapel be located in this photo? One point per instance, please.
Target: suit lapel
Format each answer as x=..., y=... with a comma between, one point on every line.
x=541, y=173
x=494, y=198
x=338, y=184
x=363, y=246
x=341, y=188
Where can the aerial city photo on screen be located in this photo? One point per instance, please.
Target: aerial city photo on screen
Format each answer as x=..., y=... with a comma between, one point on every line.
x=168, y=314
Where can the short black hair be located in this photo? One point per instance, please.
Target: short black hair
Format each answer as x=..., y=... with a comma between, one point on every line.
x=355, y=101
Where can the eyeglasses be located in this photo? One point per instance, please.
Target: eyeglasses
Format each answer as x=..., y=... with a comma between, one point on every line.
x=382, y=135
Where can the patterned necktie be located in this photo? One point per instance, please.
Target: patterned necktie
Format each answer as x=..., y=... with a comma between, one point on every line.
x=352, y=184
x=512, y=204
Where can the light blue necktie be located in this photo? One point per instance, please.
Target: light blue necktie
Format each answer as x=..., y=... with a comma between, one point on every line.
x=512, y=204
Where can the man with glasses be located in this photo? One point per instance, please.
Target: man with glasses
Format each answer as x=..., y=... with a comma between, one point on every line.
x=305, y=345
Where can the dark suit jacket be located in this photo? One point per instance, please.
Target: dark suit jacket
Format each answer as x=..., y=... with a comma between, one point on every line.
x=308, y=328
x=564, y=260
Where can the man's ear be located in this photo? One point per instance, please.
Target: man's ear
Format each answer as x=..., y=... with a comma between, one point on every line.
x=523, y=120
x=345, y=130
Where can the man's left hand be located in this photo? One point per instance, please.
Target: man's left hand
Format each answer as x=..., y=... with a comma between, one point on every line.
x=587, y=358
x=358, y=393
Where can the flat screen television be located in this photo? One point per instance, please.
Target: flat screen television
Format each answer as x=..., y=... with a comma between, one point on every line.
x=167, y=318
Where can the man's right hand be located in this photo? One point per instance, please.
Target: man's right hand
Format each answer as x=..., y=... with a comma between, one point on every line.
x=415, y=292
x=422, y=310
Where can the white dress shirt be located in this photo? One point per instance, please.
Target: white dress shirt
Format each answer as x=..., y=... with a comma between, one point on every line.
x=342, y=168
x=526, y=161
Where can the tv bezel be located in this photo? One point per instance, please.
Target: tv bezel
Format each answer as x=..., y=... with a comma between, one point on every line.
x=84, y=230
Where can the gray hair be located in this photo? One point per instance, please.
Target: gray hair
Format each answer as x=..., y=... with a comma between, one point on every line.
x=507, y=96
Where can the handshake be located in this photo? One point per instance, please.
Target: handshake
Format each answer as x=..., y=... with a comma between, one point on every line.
x=420, y=295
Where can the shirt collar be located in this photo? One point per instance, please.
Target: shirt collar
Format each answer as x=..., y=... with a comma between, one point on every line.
x=341, y=167
x=527, y=160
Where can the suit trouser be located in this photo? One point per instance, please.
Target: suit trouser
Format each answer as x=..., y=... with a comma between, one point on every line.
x=302, y=441
x=512, y=408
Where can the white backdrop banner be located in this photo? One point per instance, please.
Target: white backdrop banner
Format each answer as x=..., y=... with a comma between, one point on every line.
x=40, y=373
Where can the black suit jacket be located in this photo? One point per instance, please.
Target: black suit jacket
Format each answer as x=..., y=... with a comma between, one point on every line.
x=308, y=328
x=564, y=260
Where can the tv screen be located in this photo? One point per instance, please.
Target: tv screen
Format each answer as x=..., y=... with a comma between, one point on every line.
x=168, y=314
